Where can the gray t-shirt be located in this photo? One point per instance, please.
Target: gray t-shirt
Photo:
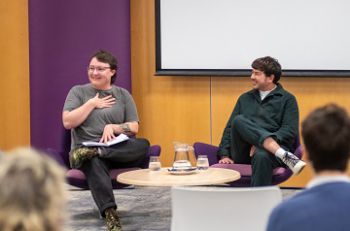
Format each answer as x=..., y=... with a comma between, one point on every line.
x=124, y=110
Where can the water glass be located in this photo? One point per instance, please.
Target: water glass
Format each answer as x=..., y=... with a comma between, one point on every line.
x=154, y=163
x=202, y=162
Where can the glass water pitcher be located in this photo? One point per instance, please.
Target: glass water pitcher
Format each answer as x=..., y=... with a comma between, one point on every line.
x=182, y=155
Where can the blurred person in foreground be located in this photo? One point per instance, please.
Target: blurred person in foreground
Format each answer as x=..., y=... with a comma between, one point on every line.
x=32, y=192
x=325, y=203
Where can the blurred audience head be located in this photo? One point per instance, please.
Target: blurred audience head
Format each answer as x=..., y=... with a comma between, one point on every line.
x=326, y=135
x=32, y=192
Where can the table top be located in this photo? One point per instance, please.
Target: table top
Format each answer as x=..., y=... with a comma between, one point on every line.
x=145, y=177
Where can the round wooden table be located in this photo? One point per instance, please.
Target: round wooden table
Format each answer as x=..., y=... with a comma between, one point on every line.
x=145, y=177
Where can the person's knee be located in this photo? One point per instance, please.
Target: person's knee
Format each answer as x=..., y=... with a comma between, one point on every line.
x=144, y=143
x=138, y=144
x=239, y=122
x=141, y=147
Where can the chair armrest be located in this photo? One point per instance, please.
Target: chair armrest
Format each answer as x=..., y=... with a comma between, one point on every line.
x=154, y=150
x=206, y=149
x=298, y=152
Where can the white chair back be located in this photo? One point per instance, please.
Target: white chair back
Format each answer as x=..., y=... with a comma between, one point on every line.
x=221, y=209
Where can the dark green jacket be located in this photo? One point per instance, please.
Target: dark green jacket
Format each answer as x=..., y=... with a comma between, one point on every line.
x=277, y=114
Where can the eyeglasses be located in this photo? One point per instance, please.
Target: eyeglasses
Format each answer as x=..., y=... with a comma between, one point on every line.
x=98, y=69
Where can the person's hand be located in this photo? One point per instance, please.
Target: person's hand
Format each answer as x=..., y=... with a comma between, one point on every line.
x=226, y=160
x=107, y=101
x=108, y=133
x=252, y=151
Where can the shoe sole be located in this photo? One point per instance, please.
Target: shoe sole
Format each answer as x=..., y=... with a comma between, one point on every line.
x=299, y=168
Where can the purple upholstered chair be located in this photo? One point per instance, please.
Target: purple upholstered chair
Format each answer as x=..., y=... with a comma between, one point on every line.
x=280, y=174
x=76, y=177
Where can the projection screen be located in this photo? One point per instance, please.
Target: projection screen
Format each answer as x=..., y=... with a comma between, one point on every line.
x=223, y=37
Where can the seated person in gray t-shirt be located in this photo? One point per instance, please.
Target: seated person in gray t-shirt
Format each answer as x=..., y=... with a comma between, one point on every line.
x=99, y=111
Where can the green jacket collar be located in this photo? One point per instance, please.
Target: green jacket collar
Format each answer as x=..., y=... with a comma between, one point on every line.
x=277, y=91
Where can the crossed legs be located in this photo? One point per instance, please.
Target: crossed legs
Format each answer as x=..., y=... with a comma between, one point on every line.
x=131, y=153
x=253, y=145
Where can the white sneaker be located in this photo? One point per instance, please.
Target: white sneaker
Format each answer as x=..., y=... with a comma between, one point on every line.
x=293, y=162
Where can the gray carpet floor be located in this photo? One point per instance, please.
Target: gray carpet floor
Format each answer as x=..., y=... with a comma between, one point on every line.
x=139, y=208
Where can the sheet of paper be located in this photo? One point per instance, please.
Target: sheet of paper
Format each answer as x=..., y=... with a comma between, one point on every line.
x=116, y=140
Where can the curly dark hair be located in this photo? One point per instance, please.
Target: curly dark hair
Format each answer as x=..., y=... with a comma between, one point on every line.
x=270, y=66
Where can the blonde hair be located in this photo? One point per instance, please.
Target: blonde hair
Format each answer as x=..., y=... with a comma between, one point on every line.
x=32, y=192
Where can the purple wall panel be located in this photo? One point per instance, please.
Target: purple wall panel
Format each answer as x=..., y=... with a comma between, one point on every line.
x=63, y=36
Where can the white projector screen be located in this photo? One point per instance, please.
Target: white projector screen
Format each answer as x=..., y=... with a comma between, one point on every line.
x=223, y=37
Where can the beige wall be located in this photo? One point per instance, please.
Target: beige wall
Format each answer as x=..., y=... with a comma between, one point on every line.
x=181, y=108
x=170, y=108
x=14, y=80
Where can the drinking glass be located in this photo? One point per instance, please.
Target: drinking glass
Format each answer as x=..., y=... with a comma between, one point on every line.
x=154, y=163
x=202, y=162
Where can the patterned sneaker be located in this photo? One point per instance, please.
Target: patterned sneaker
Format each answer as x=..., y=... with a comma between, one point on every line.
x=293, y=162
x=112, y=220
x=79, y=155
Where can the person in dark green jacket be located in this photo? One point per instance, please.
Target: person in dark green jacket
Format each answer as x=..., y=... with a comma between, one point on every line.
x=263, y=125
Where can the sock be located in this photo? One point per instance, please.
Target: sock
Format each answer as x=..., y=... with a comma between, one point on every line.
x=280, y=153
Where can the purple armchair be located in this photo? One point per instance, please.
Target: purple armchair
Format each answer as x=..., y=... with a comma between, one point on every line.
x=77, y=178
x=280, y=174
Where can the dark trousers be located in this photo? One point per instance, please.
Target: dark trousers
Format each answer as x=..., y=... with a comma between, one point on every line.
x=245, y=134
x=131, y=153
